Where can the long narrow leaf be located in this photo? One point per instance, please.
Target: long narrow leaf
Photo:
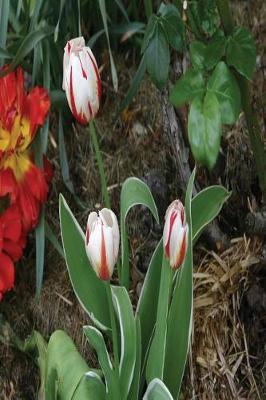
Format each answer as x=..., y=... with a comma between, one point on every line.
x=113, y=68
x=40, y=247
x=4, y=13
x=124, y=311
x=157, y=391
x=135, y=385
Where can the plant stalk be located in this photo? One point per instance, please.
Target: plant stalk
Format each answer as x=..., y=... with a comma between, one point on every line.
x=100, y=165
x=251, y=116
x=113, y=326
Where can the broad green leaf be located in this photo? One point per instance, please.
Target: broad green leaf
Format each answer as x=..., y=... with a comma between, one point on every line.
x=204, y=129
x=125, y=316
x=89, y=290
x=197, y=54
x=40, y=247
x=172, y=25
x=156, y=356
x=214, y=51
x=205, y=206
x=157, y=391
x=241, y=52
x=35, y=14
x=65, y=372
x=134, y=85
x=148, y=300
x=5, y=54
x=224, y=85
x=207, y=56
x=190, y=85
x=180, y=312
x=135, y=385
x=134, y=192
x=96, y=340
x=113, y=68
x=158, y=57
x=149, y=32
x=90, y=387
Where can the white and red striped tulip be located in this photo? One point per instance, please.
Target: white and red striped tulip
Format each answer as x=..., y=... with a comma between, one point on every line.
x=102, y=242
x=175, y=234
x=81, y=80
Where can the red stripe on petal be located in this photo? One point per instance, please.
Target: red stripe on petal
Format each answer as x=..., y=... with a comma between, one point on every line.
x=182, y=253
x=90, y=109
x=82, y=69
x=172, y=220
x=104, y=271
x=99, y=82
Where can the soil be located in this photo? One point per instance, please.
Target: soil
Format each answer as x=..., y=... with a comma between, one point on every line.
x=134, y=144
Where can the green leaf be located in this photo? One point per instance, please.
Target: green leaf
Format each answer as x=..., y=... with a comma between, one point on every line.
x=62, y=381
x=224, y=85
x=4, y=13
x=5, y=54
x=158, y=57
x=156, y=357
x=241, y=52
x=89, y=290
x=134, y=85
x=205, y=206
x=149, y=32
x=134, y=192
x=40, y=247
x=190, y=85
x=214, y=51
x=207, y=56
x=172, y=25
x=125, y=316
x=134, y=389
x=157, y=391
x=204, y=129
x=180, y=312
x=53, y=239
x=148, y=300
x=96, y=340
x=27, y=45
x=64, y=162
x=197, y=54
x=113, y=68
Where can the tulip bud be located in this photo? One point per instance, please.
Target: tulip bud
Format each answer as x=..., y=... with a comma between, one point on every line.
x=175, y=234
x=102, y=242
x=81, y=80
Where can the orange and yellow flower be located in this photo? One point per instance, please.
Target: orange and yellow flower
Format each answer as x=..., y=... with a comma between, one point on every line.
x=21, y=114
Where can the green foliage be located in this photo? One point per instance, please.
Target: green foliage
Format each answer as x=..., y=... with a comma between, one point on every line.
x=204, y=129
x=224, y=85
x=157, y=391
x=241, y=52
x=134, y=192
x=189, y=86
x=180, y=312
x=89, y=290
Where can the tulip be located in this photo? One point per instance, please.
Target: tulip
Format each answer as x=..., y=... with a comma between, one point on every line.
x=81, y=80
x=102, y=242
x=175, y=234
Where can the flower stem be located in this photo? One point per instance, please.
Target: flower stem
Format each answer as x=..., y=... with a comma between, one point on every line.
x=113, y=325
x=251, y=116
x=100, y=165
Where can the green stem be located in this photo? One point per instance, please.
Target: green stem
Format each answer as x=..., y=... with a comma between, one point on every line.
x=113, y=325
x=251, y=116
x=100, y=165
